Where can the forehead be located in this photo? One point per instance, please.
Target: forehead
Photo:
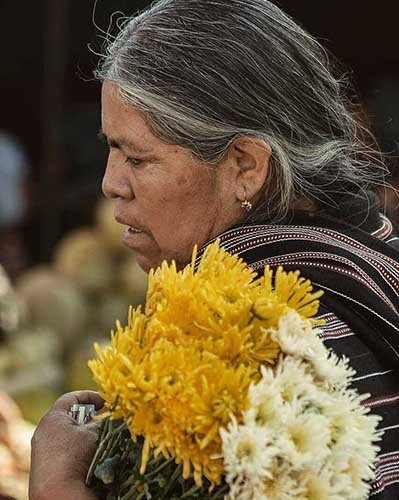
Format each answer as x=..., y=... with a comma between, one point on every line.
x=123, y=122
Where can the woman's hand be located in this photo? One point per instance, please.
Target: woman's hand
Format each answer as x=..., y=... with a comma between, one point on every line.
x=62, y=451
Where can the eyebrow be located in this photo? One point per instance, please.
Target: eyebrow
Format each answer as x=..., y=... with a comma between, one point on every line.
x=120, y=143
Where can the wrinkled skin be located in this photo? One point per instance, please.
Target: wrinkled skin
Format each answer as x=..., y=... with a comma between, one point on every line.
x=62, y=451
x=165, y=192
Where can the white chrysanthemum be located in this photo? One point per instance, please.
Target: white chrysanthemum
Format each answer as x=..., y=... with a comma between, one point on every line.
x=297, y=338
x=305, y=439
x=294, y=380
x=285, y=485
x=329, y=369
x=318, y=436
x=241, y=489
x=266, y=402
x=247, y=451
x=354, y=453
x=318, y=486
x=295, y=335
x=290, y=383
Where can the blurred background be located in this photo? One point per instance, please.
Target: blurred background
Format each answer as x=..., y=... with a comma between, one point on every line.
x=64, y=275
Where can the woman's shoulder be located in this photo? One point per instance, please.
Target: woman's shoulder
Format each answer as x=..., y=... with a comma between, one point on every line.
x=381, y=381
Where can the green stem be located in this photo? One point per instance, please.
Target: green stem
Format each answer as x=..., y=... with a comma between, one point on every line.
x=220, y=493
x=161, y=467
x=96, y=458
x=111, y=441
x=191, y=491
x=127, y=496
x=173, y=478
x=128, y=482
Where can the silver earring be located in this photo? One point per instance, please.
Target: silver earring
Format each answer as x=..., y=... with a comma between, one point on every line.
x=246, y=205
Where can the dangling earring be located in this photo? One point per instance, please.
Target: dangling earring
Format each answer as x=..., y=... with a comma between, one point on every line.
x=246, y=205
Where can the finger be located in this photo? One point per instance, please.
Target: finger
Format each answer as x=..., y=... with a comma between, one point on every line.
x=65, y=402
x=92, y=426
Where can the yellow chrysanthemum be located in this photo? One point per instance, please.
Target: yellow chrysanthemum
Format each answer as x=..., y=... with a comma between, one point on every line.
x=181, y=369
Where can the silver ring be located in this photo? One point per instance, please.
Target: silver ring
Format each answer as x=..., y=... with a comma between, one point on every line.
x=82, y=413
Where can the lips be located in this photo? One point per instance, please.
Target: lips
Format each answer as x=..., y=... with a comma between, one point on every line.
x=134, y=230
x=131, y=228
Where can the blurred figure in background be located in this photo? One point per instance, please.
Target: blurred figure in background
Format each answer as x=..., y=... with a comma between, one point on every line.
x=15, y=432
x=13, y=202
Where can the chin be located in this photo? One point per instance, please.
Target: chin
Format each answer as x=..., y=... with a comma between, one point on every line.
x=147, y=263
x=144, y=263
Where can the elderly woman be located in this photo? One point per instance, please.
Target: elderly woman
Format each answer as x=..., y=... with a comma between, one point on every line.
x=223, y=119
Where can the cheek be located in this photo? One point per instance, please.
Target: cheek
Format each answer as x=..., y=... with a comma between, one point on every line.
x=174, y=197
x=182, y=181
x=179, y=207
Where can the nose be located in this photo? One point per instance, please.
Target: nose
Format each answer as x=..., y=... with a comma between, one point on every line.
x=115, y=183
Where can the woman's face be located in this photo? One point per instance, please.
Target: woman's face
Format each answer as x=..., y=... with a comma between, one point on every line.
x=168, y=200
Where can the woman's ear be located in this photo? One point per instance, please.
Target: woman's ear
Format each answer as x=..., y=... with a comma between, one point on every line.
x=251, y=156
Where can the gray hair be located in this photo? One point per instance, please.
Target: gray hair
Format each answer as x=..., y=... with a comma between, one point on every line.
x=205, y=72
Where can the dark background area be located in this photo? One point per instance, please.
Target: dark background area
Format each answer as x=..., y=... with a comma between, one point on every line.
x=50, y=101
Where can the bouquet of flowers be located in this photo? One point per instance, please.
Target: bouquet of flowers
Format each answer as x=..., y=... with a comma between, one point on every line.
x=222, y=388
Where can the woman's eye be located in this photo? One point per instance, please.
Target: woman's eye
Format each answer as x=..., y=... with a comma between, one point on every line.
x=133, y=161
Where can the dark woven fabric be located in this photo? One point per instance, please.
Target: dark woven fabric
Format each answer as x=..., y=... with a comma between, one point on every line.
x=359, y=273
